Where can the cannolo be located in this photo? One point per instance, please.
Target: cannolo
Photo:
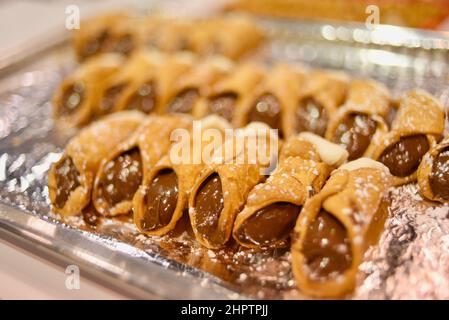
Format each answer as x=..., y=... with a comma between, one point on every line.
x=70, y=179
x=359, y=123
x=76, y=99
x=433, y=173
x=336, y=227
x=322, y=93
x=231, y=37
x=173, y=34
x=151, y=92
x=94, y=34
x=221, y=189
x=161, y=200
x=273, y=206
x=418, y=125
x=126, y=165
x=276, y=93
x=228, y=94
x=137, y=67
x=191, y=90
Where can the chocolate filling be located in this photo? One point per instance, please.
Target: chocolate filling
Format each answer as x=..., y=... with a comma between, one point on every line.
x=223, y=105
x=270, y=224
x=72, y=98
x=404, y=157
x=144, y=99
x=209, y=204
x=67, y=180
x=184, y=101
x=326, y=247
x=111, y=97
x=121, y=178
x=266, y=109
x=95, y=45
x=311, y=116
x=355, y=133
x=160, y=200
x=439, y=177
x=124, y=44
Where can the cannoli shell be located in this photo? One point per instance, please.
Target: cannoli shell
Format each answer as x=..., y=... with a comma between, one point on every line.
x=86, y=150
x=356, y=198
x=153, y=139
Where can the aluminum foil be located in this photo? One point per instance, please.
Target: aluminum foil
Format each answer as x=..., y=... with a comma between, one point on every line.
x=410, y=261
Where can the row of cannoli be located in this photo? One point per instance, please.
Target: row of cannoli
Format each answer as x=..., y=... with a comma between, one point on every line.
x=231, y=36
x=127, y=162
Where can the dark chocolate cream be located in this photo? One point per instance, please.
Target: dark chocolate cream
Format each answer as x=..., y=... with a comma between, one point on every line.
x=124, y=44
x=355, y=133
x=404, y=156
x=110, y=97
x=326, y=247
x=270, y=224
x=72, y=98
x=311, y=116
x=121, y=177
x=439, y=177
x=266, y=109
x=95, y=45
x=160, y=200
x=67, y=180
x=208, y=205
x=223, y=105
x=144, y=99
x=184, y=101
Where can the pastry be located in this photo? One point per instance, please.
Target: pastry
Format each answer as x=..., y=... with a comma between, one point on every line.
x=127, y=164
x=70, y=179
x=76, y=99
x=336, y=227
x=162, y=198
x=433, y=173
x=190, y=92
x=273, y=206
x=359, y=123
x=417, y=127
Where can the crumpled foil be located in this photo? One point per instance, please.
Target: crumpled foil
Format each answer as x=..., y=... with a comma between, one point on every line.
x=411, y=260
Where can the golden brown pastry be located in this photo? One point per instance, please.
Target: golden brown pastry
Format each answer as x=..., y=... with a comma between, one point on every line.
x=322, y=92
x=161, y=200
x=273, y=206
x=150, y=93
x=433, y=173
x=127, y=164
x=221, y=189
x=76, y=99
x=418, y=125
x=70, y=179
x=127, y=79
x=190, y=92
x=268, y=103
x=228, y=94
x=337, y=226
x=359, y=123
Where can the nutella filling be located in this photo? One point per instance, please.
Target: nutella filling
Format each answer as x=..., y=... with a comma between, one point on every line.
x=311, y=116
x=209, y=204
x=326, y=247
x=184, y=101
x=404, y=157
x=270, y=224
x=110, y=97
x=439, y=177
x=223, y=105
x=121, y=178
x=144, y=99
x=67, y=180
x=95, y=45
x=266, y=109
x=72, y=98
x=160, y=200
x=355, y=133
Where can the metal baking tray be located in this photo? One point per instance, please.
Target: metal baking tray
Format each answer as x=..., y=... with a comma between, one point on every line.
x=114, y=254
